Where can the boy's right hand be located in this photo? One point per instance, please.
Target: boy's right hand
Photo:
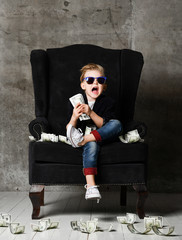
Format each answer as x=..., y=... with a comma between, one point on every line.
x=77, y=111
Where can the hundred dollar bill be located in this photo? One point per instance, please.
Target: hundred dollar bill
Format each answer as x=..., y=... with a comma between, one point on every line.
x=78, y=98
x=153, y=221
x=5, y=219
x=15, y=228
x=129, y=218
x=158, y=232
x=132, y=229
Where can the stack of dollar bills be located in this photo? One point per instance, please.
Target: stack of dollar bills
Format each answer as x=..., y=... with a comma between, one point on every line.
x=78, y=98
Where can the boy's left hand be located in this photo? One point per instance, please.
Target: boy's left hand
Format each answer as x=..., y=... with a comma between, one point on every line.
x=86, y=109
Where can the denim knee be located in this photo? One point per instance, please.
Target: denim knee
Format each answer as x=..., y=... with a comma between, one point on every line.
x=90, y=154
x=116, y=125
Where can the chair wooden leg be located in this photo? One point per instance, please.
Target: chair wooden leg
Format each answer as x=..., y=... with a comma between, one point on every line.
x=142, y=195
x=36, y=195
x=123, y=194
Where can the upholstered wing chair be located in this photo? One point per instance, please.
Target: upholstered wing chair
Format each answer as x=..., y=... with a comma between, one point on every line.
x=56, y=74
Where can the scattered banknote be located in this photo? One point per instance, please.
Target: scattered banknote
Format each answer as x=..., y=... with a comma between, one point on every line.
x=131, y=137
x=44, y=224
x=158, y=232
x=78, y=98
x=89, y=226
x=132, y=229
x=15, y=228
x=32, y=139
x=5, y=219
x=50, y=137
x=3, y=223
x=128, y=219
x=64, y=139
x=153, y=221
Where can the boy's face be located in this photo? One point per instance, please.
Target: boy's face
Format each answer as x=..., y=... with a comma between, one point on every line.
x=95, y=89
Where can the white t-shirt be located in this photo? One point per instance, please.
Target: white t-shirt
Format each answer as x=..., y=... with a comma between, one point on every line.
x=93, y=127
x=91, y=104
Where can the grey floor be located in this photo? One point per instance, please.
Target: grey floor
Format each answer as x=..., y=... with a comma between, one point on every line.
x=71, y=206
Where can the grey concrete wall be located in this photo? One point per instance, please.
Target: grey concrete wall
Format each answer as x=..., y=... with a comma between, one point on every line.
x=152, y=27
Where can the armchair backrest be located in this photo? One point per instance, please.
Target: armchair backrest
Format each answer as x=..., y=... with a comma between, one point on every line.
x=56, y=77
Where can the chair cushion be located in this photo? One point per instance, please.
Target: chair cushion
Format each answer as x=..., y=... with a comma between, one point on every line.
x=113, y=153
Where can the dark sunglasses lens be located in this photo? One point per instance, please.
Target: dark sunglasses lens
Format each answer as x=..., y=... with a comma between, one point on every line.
x=90, y=80
x=101, y=80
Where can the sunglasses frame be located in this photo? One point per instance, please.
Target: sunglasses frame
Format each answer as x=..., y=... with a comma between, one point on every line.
x=87, y=78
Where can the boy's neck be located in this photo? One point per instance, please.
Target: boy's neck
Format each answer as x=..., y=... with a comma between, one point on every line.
x=90, y=99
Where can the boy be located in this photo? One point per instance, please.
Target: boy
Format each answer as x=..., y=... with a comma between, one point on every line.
x=102, y=124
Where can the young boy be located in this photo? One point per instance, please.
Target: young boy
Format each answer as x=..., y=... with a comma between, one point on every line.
x=102, y=124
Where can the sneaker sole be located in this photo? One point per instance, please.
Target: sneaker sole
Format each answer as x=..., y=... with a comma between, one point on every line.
x=93, y=197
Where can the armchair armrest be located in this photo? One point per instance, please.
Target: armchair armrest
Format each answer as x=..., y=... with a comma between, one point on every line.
x=140, y=126
x=37, y=126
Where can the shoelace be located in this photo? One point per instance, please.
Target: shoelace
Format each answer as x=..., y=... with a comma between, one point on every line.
x=78, y=132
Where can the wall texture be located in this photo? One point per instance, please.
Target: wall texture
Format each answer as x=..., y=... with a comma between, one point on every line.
x=153, y=27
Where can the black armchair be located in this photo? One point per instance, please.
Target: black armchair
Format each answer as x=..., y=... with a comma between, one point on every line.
x=56, y=75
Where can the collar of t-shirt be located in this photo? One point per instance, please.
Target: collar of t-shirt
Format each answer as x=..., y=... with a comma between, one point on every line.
x=91, y=104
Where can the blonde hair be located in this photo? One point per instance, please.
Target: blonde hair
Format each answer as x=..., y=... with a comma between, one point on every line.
x=92, y=66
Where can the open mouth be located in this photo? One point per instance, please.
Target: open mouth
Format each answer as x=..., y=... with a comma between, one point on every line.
x=95, y=89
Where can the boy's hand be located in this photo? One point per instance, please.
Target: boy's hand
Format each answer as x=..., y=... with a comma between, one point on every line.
x=86, y=109
x=77, y=111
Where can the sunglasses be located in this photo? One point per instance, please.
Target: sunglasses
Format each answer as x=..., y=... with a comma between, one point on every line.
x=90, y=80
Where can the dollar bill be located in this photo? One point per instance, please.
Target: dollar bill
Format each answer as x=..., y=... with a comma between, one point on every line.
x=158, y=232
x=50, y=137
x=64, y=139
x=122, y=220
x=53, y=225
x=78, y=98
x=3, y=223
x=153, y=221
x=89, y=226
x=130, y=137
x=129, y=218
x=101, y=229
x=132, y=229
x=43, y=225
x=15, y=228
x=38, y=228
x=5, y=219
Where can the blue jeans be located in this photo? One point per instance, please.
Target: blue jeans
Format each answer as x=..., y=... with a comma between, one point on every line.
x=107, y=133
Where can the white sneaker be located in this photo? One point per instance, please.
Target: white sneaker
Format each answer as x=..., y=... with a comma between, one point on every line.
x=92, y=193
x=74, y=135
